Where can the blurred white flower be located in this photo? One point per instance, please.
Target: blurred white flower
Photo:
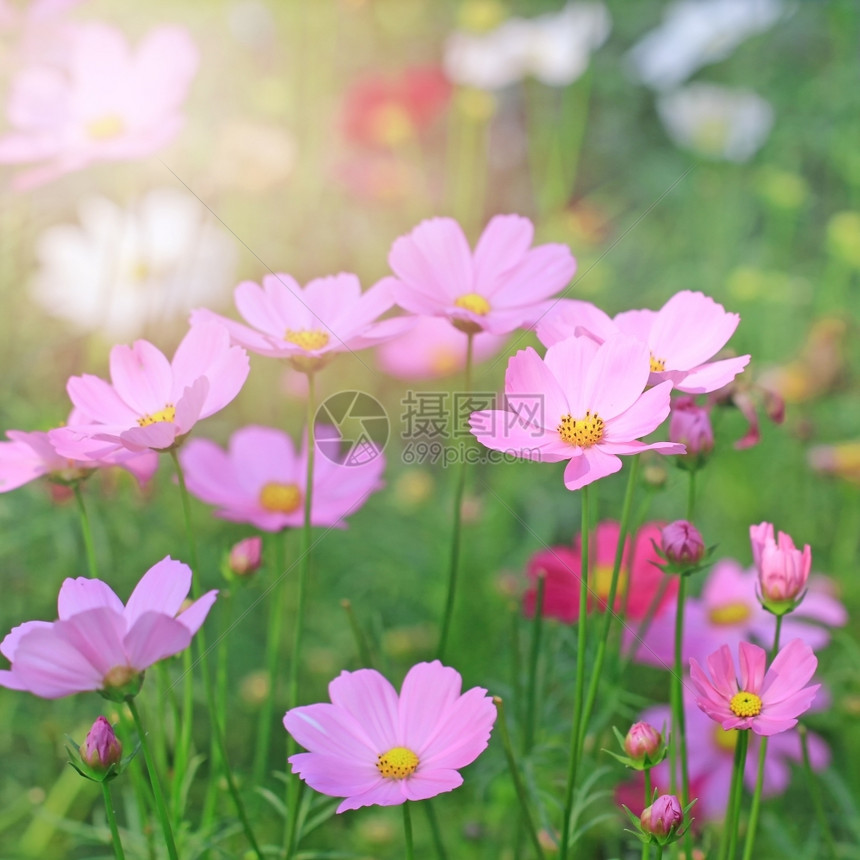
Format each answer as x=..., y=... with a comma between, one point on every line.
x=716, y=122
x=554, y=48
x=123, y=270
x=695, y=33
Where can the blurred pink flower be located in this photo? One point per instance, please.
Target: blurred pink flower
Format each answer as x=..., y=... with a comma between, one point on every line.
x=373, y=747
x=105, y=104
x=728, y=612
x=246, y=556
x=260, y=480
x=782, y=569
x=310, y=325
x=582, y=402
x=153, y=403
x=681, y=337
x=766, y=703
x=496, y=289
x=99, y=644
x=433, y=348
x=637, y=583
x=690, y=424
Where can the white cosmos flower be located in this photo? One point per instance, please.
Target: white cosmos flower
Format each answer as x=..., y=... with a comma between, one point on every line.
x=554, y=48
x=122, y=270
x=716, y=122
x=695, y=33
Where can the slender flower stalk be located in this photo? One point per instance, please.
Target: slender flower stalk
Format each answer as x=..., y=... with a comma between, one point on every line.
x=575, y=745
x=814, y=788
x=361, y=643
x=86, y=530
x=111, y=819
x=435, y=831
x=679, y=735
x=534, y=654
x=454, y=563
x=646, y=846
x=407, y=832
x=727, y=852
x=516, y=776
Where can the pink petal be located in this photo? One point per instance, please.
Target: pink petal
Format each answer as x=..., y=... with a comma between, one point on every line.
x=709, y=377
x=100, y=401
x=153, y=637
x=574, y=318
x=239, y=333
x=644, y=416
x=569, y=360
x=211, y=475
x=164, y=65
x=461, y=734
x=10, y=642
x=591, y=465
x=502, y=431
x=329, y=730
x=260, y=455
x=141, y=376
x=617, y=376
x=792, y=667
x=334, y=776
x=97, y=635
x=387, y=792
x=533, y=392
x=193, y=617
x=157, y=436
x=370, y=699
x=543, y=272
x=421, y=785
x=81, y=594
x=429, y=690
x=636, y=323
x=502, y=245
x=190, y=405
x=752, y=662
x=161, y=589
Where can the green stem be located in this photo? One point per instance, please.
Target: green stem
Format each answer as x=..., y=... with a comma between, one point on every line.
x=407, y=831
x=679, y=734
x=815, y=791
x=762, y=756
x=361, y=643
x=731, y=834
x=516, y=776
x=160, y=805
x=111, y=819
x=435, y=830
x=575, y=747
x=293, y=784
x=196, y=590
x=659, y=852
x=691, y=495
x=454, y=561
x=609, y=613
x=646, y=846
x=534, y=655
x=87, y=531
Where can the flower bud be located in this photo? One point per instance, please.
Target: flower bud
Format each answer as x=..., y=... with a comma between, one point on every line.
x=690, y=425
x=101, y=749
x=642, y=740
x=663, y=817
x=682, y=544
x=245, y=556
x=783, y=570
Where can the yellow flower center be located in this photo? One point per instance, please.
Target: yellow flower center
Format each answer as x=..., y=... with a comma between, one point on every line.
x=308, y=339
x=105, y=127
x=657, y=364
x=474, y=303
x=583, y=432
x=283, y=498
x=444, y=360
x=726, y=739
x=166, y=414
x=745, y=704
x=730, y=613
x=119, y=676
x=391, y=125
x=601, y=579
x=397, y=763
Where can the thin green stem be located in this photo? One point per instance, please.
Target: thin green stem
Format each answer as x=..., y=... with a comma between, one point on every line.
x=435, y=830
x=361, y=644
x=160, y=805
x=454, y=560
x=532, y=675
x=293, y=784
x=691, y=495
x=407, y=832
x=679, y=733
x=762, y=756
x=87, y=531
x=516, y=776
x=575, y=747
x=815, y=791
x=659, y=852
x=727, y=852
x=646, y=846
x=609, y=612
x=111, y=820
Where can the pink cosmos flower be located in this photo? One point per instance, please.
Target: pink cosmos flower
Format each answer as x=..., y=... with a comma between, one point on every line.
x=728, y=612
x=433, y=348
x=681, y=338
x=310, y=325
x=582, y=402
x=690, y=424
x=246, y=556
x=262, y=481
x=638, y=581
x=153, y=403
x=373, y=747
x=766, y=703
x=99, y=644
x=101, y=747
x=496, y=289
x=106, y=104
x=782, y=569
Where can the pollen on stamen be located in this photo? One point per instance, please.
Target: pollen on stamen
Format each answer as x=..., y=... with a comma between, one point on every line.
x=397, y=763
x=307, y=339
x=744, y=704
x=583, y=432
x=280, y=498
x=167, y=414
x=658, y=365
x=473, y=302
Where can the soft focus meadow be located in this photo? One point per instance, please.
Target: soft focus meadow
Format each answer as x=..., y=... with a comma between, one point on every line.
x=506, y=351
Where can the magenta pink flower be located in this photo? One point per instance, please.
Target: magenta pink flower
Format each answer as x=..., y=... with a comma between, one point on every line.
x=642, y=740
x=681, y=337
x=663, y=817
x=496, y=289
x=101, y=748
x=583, y=402
x=260, y=480
x=783, y=570
x=433, y=348
x=766, y=703
x=106, y=104
x=310, y=325
x=153, y=403
x=99, y=644
x=682, y=544
x=690, y=425
x=246, y=556
x=374, y=747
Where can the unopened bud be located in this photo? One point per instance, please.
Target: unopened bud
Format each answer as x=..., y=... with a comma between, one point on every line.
x=642, y=740
x=682, y=544
x=663, y=817
x=245, y=556
x=102, y=748
x=690, y=424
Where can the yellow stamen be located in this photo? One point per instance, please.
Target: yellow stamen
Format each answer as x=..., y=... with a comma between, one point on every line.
x=730, y=613
x=283, y=498
x=308, y=339
x=745, y=704
x=583, y=432
x=474, y=303
x=105, y=127
x=657, y=364
x=397, y=763
x=119, y=676
x=167, y=414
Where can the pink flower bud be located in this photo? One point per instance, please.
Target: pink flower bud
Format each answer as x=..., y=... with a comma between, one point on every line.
x=690, y=424
x=782, y=568
x=246, y=555
x=663, y=817
x=101, y=748
x=682, y=544
x=642, y=739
